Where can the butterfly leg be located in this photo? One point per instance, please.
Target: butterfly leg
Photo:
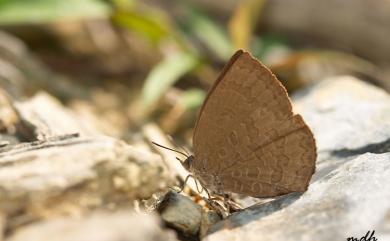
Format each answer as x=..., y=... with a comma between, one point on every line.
x=208, y=193
x=220, y=190
x=197, y=184
x=185, y=182
x=228, y=202
x=197, y=187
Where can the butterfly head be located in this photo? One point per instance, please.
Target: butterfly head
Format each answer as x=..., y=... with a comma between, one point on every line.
x=188, y=162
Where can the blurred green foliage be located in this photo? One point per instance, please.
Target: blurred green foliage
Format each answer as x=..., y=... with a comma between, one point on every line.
x=41, y=11
x=152, y=25
x=164, y=74
x=193, y=98
x=180, y=56
x=186, y=43
x=261, y=46
x=211, y=34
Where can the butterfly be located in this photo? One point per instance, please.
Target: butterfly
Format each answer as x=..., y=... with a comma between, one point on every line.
x=246, y=139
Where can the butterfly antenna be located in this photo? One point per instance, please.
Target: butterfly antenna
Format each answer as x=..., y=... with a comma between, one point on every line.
x=181, y=147
x=184, y=150
x=170, y=149
x=179, y=160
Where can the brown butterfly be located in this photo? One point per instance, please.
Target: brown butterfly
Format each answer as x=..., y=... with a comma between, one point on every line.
x=247, y=140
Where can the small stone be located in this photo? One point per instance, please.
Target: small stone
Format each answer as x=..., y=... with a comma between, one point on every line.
x=181, y=213
x=208, y=219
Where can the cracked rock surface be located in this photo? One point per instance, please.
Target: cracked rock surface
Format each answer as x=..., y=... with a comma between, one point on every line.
x=350, y=191
x=71, y=175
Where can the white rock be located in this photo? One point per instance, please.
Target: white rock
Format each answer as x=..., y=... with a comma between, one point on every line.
x=345, y=113
x=123, y=226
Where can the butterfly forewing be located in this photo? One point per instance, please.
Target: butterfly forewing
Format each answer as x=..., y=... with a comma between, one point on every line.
x=247, y=136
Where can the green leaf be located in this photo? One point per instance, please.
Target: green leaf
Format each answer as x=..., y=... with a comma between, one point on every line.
x=41, y=11
x=150, y=22
x=151, y=25
x=165, y=74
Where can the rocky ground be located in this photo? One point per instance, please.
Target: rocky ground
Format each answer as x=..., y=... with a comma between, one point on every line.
x=349, y=193
x=63, y=178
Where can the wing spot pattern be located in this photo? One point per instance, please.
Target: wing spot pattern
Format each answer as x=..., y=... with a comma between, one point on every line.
x=233, y=138
x=236, y=173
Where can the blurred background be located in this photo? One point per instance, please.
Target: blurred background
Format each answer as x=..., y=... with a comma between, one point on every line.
x=135, y=69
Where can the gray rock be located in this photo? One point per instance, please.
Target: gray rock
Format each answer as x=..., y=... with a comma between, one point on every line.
x=45, y=116
x=71, y=175
x=345, y=113
x=350, y=192
x=347, y=202
x=181, y=213
x=348, y=117
x=120, y=226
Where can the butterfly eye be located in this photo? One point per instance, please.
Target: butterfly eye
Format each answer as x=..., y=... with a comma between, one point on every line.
x=188, y=162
